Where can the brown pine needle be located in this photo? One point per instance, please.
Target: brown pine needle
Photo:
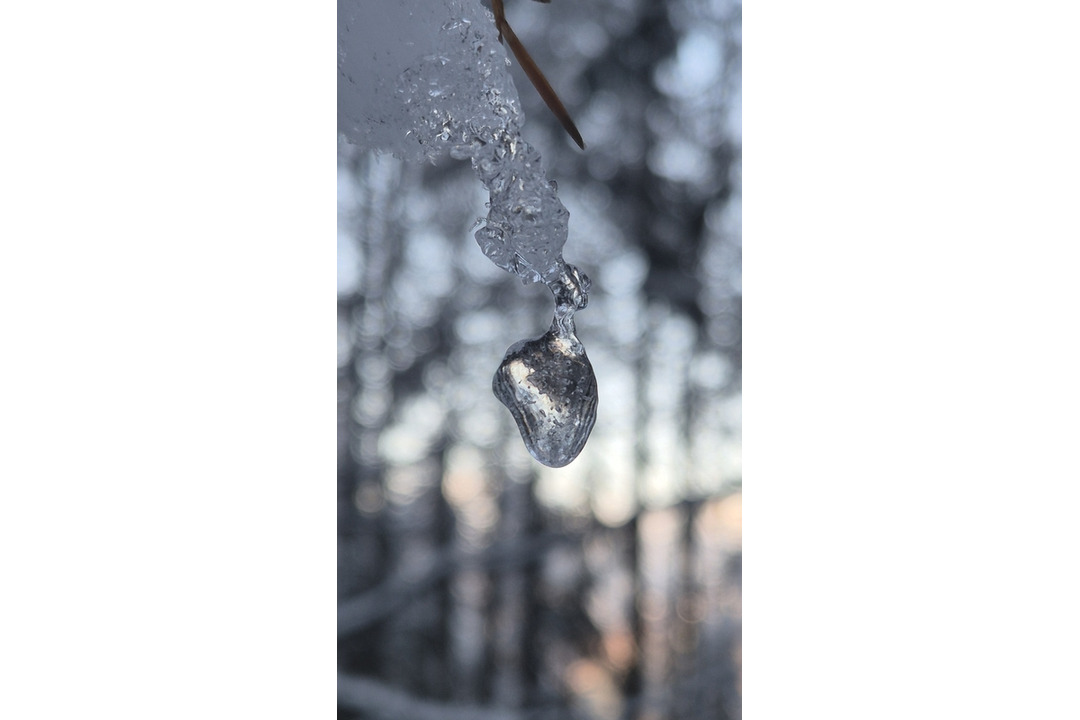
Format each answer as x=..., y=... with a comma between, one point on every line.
x=532, y=70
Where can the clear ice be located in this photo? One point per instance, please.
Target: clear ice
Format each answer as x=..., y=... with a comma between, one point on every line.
x=431, y=78
x=548, y=383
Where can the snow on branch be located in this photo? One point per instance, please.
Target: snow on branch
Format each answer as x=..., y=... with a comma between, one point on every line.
x=424, y=79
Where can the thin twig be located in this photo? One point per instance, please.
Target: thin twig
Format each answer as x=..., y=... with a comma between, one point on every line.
x=532, y=70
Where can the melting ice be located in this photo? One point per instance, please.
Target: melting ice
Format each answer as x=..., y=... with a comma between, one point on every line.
x=421, y=79
x=548, y=383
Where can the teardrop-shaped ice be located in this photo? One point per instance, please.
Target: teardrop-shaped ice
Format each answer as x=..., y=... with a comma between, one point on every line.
x=549, y=387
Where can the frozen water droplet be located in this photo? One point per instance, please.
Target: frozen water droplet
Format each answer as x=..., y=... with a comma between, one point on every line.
x=549, y=387
x=548, y=384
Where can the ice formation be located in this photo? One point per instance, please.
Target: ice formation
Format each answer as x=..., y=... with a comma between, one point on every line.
x=422, y=79
x=548, y=383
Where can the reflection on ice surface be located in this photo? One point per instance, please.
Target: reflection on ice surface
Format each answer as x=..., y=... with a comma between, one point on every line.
x=548, y=383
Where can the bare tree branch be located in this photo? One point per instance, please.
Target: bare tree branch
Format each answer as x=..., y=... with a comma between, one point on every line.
x=364, y=610
x=378, y=701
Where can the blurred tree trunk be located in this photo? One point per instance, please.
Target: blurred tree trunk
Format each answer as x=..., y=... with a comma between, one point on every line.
x=366, y=541
x=514, y=676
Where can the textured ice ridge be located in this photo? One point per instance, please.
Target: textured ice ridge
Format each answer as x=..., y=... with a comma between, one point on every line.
x=526, y=225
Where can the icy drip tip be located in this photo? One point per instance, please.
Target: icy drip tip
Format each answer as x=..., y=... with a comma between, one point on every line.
x=548, y=384
x=571, y=291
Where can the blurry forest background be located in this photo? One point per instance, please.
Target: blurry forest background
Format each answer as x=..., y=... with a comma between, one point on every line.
x=473, y=582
